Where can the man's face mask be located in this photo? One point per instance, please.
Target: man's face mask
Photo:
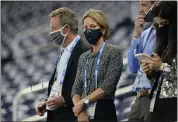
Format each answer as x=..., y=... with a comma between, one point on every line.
x=93, y=36
x=58, y=36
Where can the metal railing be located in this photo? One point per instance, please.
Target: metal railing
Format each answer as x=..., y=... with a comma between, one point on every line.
x=124, y=90
x=119, y=92
x=23, y=93
x=38, y=87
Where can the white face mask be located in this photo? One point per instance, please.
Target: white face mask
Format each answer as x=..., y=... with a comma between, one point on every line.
x=58, y=36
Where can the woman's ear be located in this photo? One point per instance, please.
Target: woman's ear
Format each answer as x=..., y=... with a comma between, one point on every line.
x=103, y=30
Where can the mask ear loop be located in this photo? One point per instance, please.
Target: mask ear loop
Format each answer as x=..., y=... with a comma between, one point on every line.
x=54, y=32
x=62, y=29
x=84, y=30
x=63, y=35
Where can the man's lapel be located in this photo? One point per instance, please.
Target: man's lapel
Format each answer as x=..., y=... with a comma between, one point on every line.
x=72, y=56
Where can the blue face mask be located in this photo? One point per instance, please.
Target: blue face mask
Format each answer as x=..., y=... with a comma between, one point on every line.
x=58, y=37
x=93, y=36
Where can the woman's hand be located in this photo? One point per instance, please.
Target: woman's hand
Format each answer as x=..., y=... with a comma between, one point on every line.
x=146, y=68
x=78, y=108
x=83, y=117
x=154, y=63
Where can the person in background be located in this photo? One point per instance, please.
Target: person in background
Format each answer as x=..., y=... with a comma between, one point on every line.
x=163, y=64
x=98, y=72
x=64, y=32
x=142, y=42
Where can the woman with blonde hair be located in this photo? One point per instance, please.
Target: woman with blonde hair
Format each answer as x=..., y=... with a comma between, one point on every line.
x=98, y=73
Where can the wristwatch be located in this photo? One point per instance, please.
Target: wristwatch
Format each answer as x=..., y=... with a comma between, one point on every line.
x=86, y=102
x=165, y=67
x=162, y=66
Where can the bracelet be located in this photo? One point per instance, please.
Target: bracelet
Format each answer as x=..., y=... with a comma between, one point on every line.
x=162, y=67
x=166, y=68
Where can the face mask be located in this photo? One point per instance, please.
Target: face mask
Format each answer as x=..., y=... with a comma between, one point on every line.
x=163, y=30
x=93, y=36
x=162, y=39
x=58, y=37
x=162, y=33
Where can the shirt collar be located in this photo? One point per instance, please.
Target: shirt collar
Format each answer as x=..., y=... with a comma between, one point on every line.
x=70, y=45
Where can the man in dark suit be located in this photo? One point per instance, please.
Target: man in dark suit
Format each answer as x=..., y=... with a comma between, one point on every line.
x=64, y=31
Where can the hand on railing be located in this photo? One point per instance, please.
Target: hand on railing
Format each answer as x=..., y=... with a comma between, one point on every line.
x=32, y=89
x=41, y=108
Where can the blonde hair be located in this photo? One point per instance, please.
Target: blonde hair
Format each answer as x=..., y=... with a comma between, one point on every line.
x=101, y=20
x=66, y=16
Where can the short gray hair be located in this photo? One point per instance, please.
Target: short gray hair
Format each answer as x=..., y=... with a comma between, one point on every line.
x=67, y=16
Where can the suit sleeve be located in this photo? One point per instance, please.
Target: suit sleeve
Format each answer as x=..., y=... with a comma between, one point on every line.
x=113, y=73
x=78, y=84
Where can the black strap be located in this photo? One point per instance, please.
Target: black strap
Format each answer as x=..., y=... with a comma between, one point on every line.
x=155, y=85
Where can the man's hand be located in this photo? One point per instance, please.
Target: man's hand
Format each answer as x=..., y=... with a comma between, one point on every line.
x=41, y=108
x=139, y=26
x=83, y=117
x=78, y=108
x=55, y=102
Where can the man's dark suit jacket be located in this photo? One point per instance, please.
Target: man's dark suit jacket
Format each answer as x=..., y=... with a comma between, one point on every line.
x=65, y=114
